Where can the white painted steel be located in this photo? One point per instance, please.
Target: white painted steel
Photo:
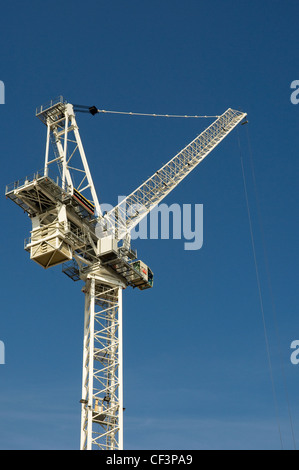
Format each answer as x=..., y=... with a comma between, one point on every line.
x=69, y=155
x=102, y=379
x=127, y=214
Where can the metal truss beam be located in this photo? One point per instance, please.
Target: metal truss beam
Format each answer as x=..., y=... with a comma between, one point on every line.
x=126, y=215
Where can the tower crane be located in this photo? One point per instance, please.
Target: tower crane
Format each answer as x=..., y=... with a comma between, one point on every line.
x=69, y=228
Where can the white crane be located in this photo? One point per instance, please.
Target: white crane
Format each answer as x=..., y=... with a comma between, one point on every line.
x=68, y=227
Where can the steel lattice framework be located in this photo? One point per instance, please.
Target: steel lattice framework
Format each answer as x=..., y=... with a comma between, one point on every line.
x=102, y=392
x=126, y=215
x=68, y=228
x=68, y=152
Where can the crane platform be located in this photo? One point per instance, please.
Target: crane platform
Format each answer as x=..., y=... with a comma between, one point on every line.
x=60, y=220
x=128, y=270
x=36, y=193
x=54, y=242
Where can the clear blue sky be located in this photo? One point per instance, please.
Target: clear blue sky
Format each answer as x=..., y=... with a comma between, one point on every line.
x=196, y=371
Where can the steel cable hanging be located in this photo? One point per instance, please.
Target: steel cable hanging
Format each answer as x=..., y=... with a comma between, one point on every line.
x=155, y=115
x=94, y=110
x=274, y=310
x=259, y=290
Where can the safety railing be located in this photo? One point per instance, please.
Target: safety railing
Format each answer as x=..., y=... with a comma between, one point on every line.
x=22, y=182
x=56, y=179
x=49, y=104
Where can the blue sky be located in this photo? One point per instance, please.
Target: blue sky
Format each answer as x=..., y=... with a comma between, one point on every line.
x=196, y=371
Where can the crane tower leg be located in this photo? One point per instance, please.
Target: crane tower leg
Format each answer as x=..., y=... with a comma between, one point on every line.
x=102, y=381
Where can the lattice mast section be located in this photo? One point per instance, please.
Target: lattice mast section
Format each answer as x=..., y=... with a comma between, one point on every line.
x=102, y=387
x=126, y=215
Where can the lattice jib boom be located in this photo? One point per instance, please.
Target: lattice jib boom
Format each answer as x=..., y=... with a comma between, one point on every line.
x=126, y=215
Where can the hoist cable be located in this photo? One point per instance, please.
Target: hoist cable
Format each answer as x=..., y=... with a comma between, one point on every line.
x=259, y=290
x=274, y=310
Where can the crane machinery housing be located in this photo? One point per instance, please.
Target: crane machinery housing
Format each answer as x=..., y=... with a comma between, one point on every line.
x=68, y=228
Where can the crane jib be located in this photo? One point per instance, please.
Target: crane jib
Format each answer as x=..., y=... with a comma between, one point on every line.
x=130, y=211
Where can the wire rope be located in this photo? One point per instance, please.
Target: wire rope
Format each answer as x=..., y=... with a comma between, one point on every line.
x=155, y=115
x=273, y=304
x=259, y=290
x=94, y=110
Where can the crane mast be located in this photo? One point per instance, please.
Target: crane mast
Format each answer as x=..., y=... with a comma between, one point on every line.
x=68, y=228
